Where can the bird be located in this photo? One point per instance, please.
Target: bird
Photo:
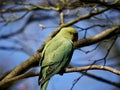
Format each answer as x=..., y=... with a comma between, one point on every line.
x=56, y=55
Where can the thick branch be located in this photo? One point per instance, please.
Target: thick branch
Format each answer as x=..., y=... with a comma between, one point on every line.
x=87, y=16
x=30, y=8
x=34, y=60
x=70, y=5
x=99, y=37
x=31, y=62
x=114, y=5
x=7, y=82
x=93, y=67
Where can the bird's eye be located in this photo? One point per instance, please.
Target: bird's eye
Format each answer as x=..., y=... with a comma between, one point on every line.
x=70, y=32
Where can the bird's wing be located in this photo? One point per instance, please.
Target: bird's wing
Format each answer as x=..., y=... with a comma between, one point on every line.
x=56, y=51
x=50, y=46
x=57, y=55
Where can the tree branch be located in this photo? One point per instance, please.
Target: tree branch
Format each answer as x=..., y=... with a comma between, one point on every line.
x=18, y=31
x=99, y=37
x=93, y=67
x=34, y=60
x=9, y=81
x=10, y=48
x=30, y=7
x=113, y=5
x=87, y=16
x=70, y=5
x=101, y=79
x=31, y=62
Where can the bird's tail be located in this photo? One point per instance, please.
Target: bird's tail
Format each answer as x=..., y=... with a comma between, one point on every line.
x=44, y=86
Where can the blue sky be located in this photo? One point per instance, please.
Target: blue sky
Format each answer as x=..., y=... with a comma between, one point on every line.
x=31, y=39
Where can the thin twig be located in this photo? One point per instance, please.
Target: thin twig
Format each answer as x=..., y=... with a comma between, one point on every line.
x=106, y=55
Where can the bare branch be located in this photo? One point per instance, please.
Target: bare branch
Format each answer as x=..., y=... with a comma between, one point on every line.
x=107, y=53
x=87, y=16
x=9, y=81
x=15, y=18
x=61, y=18
x=19, y=72
x=76, y=80
x=9, y=48
x=114, y=4
x=94, y=67
x=99, y=37
x=28, y=8
x=65, y=5
x=20, y=69
x=101, y=79
x=18, y=31
x=34, y=60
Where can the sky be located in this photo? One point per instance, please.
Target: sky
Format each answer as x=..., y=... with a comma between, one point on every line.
x=31, y=39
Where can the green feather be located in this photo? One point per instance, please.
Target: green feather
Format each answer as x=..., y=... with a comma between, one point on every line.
x=44, y=86
x=56, y=55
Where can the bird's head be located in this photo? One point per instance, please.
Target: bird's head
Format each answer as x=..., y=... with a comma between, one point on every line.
x=69, y=33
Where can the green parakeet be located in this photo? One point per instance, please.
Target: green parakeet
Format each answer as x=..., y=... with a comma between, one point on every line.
x=56, y=55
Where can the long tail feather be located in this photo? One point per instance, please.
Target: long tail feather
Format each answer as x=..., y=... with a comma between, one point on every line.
x=44, y=86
